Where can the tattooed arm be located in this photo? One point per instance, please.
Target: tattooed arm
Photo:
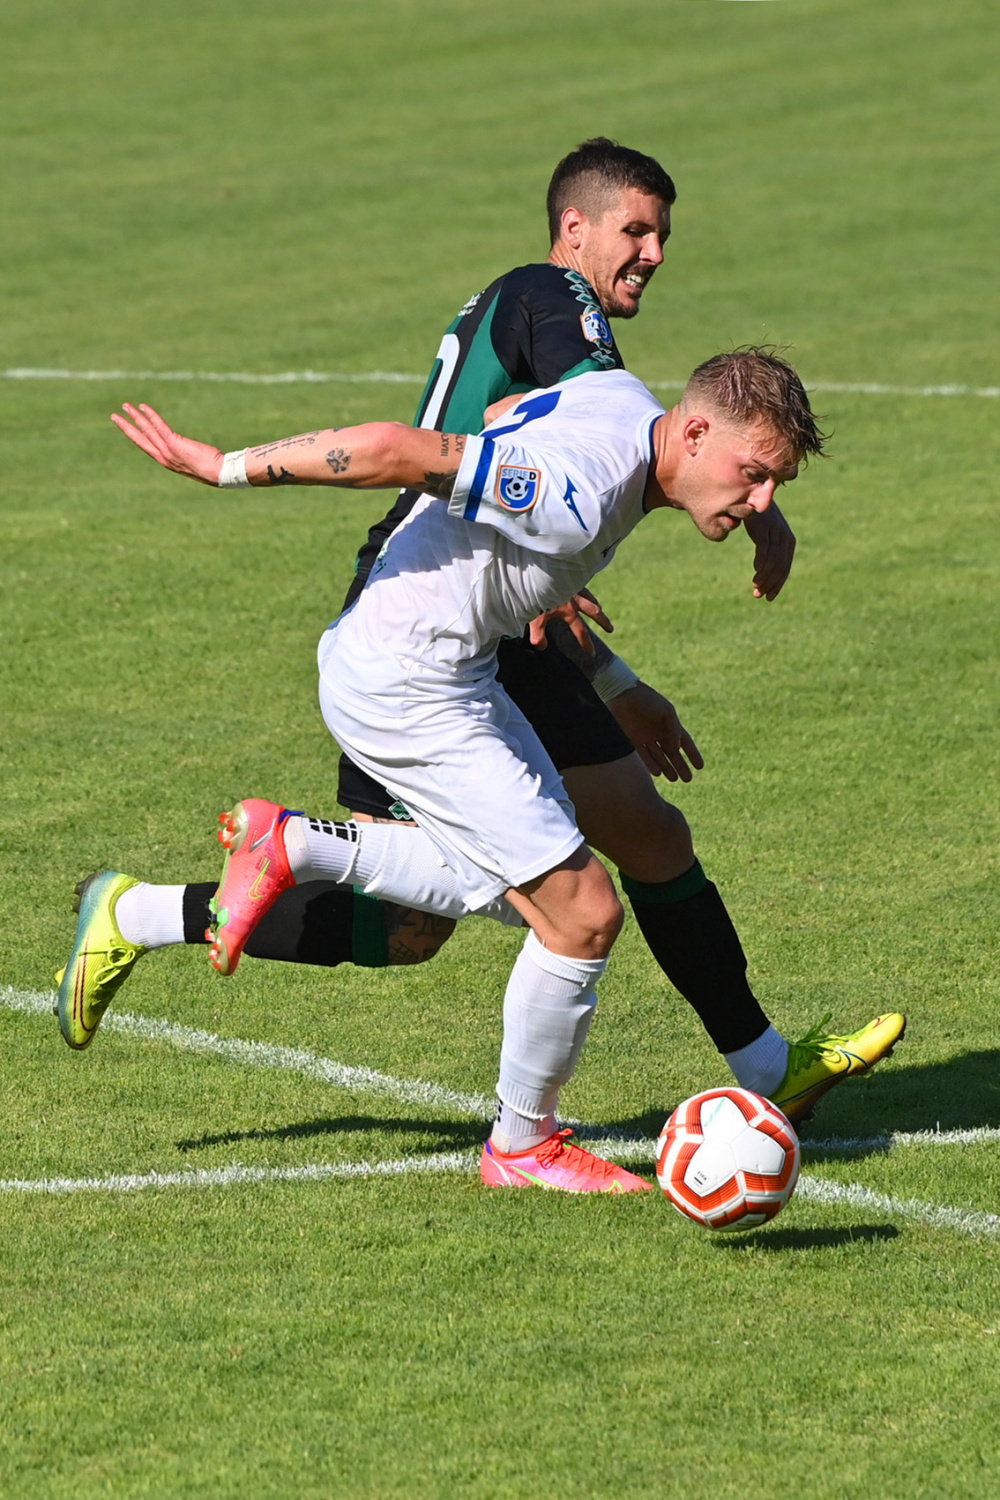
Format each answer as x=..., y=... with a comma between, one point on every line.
x=373, y=456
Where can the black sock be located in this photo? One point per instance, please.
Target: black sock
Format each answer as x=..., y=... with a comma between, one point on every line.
x=195, y=910
x=692, y=937
x=318, y=922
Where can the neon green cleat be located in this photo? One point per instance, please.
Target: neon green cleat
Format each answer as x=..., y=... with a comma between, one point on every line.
x=101, y=960
x=821, y=1060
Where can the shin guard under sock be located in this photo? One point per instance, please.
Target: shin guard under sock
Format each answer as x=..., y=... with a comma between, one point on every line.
x=547, y=1011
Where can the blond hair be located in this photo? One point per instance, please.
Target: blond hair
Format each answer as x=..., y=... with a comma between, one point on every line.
x=756, y=387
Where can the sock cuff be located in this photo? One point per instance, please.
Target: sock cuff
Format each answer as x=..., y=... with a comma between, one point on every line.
x=666, y=892
x=524, y=1102
x=576, y=970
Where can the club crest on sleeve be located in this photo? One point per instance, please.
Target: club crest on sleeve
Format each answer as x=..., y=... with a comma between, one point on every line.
x=517, y=488
x=595, y=326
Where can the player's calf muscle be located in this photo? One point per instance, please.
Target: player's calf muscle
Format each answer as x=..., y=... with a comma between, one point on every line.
x=621, y=813
x=414, y=936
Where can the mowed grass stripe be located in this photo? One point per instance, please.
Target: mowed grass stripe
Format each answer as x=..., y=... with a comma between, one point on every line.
x=399, y=377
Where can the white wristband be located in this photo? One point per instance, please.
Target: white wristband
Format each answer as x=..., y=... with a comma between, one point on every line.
x=614, y=678
x=234, y=471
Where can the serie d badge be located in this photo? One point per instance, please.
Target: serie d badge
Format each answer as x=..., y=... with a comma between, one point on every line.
x=595, y=326
x=517, y=488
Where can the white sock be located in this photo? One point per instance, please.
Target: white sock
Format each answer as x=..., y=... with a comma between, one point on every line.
x=151, y=916
x=547, y=1012
x=761, y=1065
x=514, y=1132
x=401, y=864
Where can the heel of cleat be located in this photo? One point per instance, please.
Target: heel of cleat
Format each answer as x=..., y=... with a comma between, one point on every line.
x=233, y=828
x=219, y=958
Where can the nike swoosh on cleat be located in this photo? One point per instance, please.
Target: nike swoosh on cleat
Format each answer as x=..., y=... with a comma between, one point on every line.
x=257, y=842
x=528, y=1176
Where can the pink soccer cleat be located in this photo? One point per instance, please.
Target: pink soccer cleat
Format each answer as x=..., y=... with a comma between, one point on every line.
x=254, y=875
x=556, y=1164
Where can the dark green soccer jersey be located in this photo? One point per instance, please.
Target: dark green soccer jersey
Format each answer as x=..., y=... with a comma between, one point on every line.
x=533, y=327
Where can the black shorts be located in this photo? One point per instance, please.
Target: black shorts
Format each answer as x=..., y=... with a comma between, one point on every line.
x=557, y=700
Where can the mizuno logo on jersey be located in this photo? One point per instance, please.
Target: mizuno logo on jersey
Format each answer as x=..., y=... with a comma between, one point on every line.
x=517, y=488
x=571, y=490
x=595, y=326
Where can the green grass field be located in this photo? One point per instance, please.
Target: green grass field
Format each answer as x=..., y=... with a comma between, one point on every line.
x=241, y=187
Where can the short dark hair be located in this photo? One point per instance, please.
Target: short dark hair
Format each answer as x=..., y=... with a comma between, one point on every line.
x=754, y=385
x=595, y=173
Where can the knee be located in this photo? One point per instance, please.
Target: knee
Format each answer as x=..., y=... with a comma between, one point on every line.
x=596, y=920
x=606, y=931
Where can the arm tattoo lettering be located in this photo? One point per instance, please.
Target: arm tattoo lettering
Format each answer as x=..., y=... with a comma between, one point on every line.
x=285, y=477
x=305, y=437
x=339, y=460
x=452, y=441
x=440, y=485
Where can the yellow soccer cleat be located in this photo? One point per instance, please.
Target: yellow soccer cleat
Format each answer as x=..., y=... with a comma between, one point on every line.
x=101, y=960
x=820, y=1060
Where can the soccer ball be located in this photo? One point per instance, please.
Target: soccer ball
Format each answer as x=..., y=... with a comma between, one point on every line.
x=728, y=1159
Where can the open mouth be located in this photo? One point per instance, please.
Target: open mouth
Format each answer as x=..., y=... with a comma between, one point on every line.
x=635, y=281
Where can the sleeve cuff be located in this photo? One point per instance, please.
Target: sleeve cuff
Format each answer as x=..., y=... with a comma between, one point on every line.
x=472, y=474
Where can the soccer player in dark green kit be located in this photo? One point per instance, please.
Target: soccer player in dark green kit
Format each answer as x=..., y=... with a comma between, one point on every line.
x=605, y=731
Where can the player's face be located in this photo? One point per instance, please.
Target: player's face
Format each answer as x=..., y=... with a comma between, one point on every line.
x=620, y=251
x=728, y=474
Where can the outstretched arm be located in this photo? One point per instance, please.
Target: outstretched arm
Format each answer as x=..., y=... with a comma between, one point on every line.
x=373, y=456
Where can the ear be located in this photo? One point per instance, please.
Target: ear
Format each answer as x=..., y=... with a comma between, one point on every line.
x=694, y=432
x=573, y=228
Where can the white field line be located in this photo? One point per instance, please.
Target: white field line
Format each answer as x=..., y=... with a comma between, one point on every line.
x=266, y=1055
x=631, y=1148
x=231, y=377
x=396, y=377
x=416, y=1091
x=237, y=1175
x=365, y=1080
x=819, y=1190
x=973, y=1136
x=935, y=1215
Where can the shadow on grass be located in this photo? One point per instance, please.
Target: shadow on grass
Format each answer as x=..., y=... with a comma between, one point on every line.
x=805, y=1239
x=449, y=1135
x=861, y=1114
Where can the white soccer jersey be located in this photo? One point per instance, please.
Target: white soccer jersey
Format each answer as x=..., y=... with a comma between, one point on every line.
x=542, y=499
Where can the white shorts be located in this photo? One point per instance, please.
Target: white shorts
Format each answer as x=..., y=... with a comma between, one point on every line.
x=471, y=770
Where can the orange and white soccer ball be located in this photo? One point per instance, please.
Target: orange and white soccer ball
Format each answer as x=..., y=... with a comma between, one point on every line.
x=728, y=1159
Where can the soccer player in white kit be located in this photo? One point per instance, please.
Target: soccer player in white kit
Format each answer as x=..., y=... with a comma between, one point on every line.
x=512, y=523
